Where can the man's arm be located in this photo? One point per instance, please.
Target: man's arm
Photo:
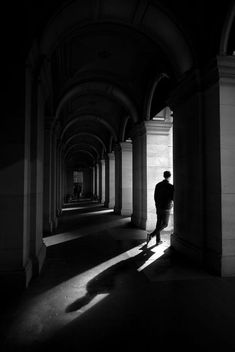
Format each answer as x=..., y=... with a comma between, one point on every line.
x=155, y=194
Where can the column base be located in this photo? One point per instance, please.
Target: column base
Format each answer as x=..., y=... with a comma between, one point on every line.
x=126, y=212
x=190, y=251
x=38, y=260
x=110, y=205
x=48, y=228
x=220, y=265
x=117, y=211
x=54, y=224
x=17, y=279
x=139, y=222
x=228, y=266
x=213, y=262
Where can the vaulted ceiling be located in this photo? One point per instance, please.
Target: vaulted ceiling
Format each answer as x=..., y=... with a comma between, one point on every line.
x=104, y=56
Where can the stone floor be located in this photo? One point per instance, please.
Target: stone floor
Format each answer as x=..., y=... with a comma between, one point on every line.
x=102, y=288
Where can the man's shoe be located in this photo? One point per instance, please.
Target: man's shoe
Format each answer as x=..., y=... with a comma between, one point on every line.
x=159, y=242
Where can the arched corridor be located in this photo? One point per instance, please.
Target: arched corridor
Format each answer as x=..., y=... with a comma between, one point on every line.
x=100, y=97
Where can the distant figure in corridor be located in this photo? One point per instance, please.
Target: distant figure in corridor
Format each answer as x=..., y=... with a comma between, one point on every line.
x=163, y=197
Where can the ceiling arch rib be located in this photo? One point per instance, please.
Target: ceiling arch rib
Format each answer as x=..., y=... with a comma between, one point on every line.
x=84, y=134
x=226, y=32
x=150, y=94
x=79, y=159
x=92, y=118
x=103, y=88
x=124, y=126
x=83, y=145
x=142, y=16
x=79, y=151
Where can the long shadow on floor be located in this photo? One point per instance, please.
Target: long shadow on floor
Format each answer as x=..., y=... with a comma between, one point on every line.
x=69, y=259
x=136, y=313
x=105, y=282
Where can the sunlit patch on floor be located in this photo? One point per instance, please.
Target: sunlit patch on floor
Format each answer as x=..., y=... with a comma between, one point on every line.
x=158, y=251
x=52, y=240
x=46, y=313
x=72, y=208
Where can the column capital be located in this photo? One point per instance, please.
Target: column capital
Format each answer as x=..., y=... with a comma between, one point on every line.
x=226, y=68
x=156, y=127
x=117, y=147
x=111, y=156
x=126, y=146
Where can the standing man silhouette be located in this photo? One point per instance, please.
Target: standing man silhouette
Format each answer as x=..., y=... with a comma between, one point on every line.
x=163, y=197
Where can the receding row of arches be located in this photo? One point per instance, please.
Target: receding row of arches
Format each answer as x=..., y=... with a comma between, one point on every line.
x=101, y=81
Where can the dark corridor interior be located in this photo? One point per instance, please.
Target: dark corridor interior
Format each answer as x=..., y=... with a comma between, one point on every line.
x=101, y=288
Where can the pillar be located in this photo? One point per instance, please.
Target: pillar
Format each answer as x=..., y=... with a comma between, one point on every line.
x=126, y=178
x=123, y=179
x=15, y=264
x=158, y=159
x=189, y=138
x=118, y=179
x=103, y=181
x=220, y=166
x=111, y=180
x=106, y=203
x=47, y=221
x=68, y=182
x=94, y=182
x=54, y=179
x=37, y=247
x=98, y=180
x=87, y=182
x=152, y=156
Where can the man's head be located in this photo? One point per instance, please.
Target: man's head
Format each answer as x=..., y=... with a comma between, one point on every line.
x=166, y=174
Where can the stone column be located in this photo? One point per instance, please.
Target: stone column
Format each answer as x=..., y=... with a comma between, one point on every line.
x=126, y=178
x=58, y=181
x=47, y=221
x=158, y=159
x=68, y=181
x=87, y=182
x=103, y=181
x=63, y=182
x=152, y=156
x=220, y=166
x=139, y=215
x=111, y=179
x=123, y=178
x=118, y=179
x=15, y=262
x=106, y=203
x=37, y=247
x=98, y=181
x=189, y=137
x=94, y=182
x=54, y=218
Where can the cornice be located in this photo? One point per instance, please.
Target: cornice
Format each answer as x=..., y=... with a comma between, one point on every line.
x=158, y=127
x=155, y=127
x=126, y=146
x=226, y=68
